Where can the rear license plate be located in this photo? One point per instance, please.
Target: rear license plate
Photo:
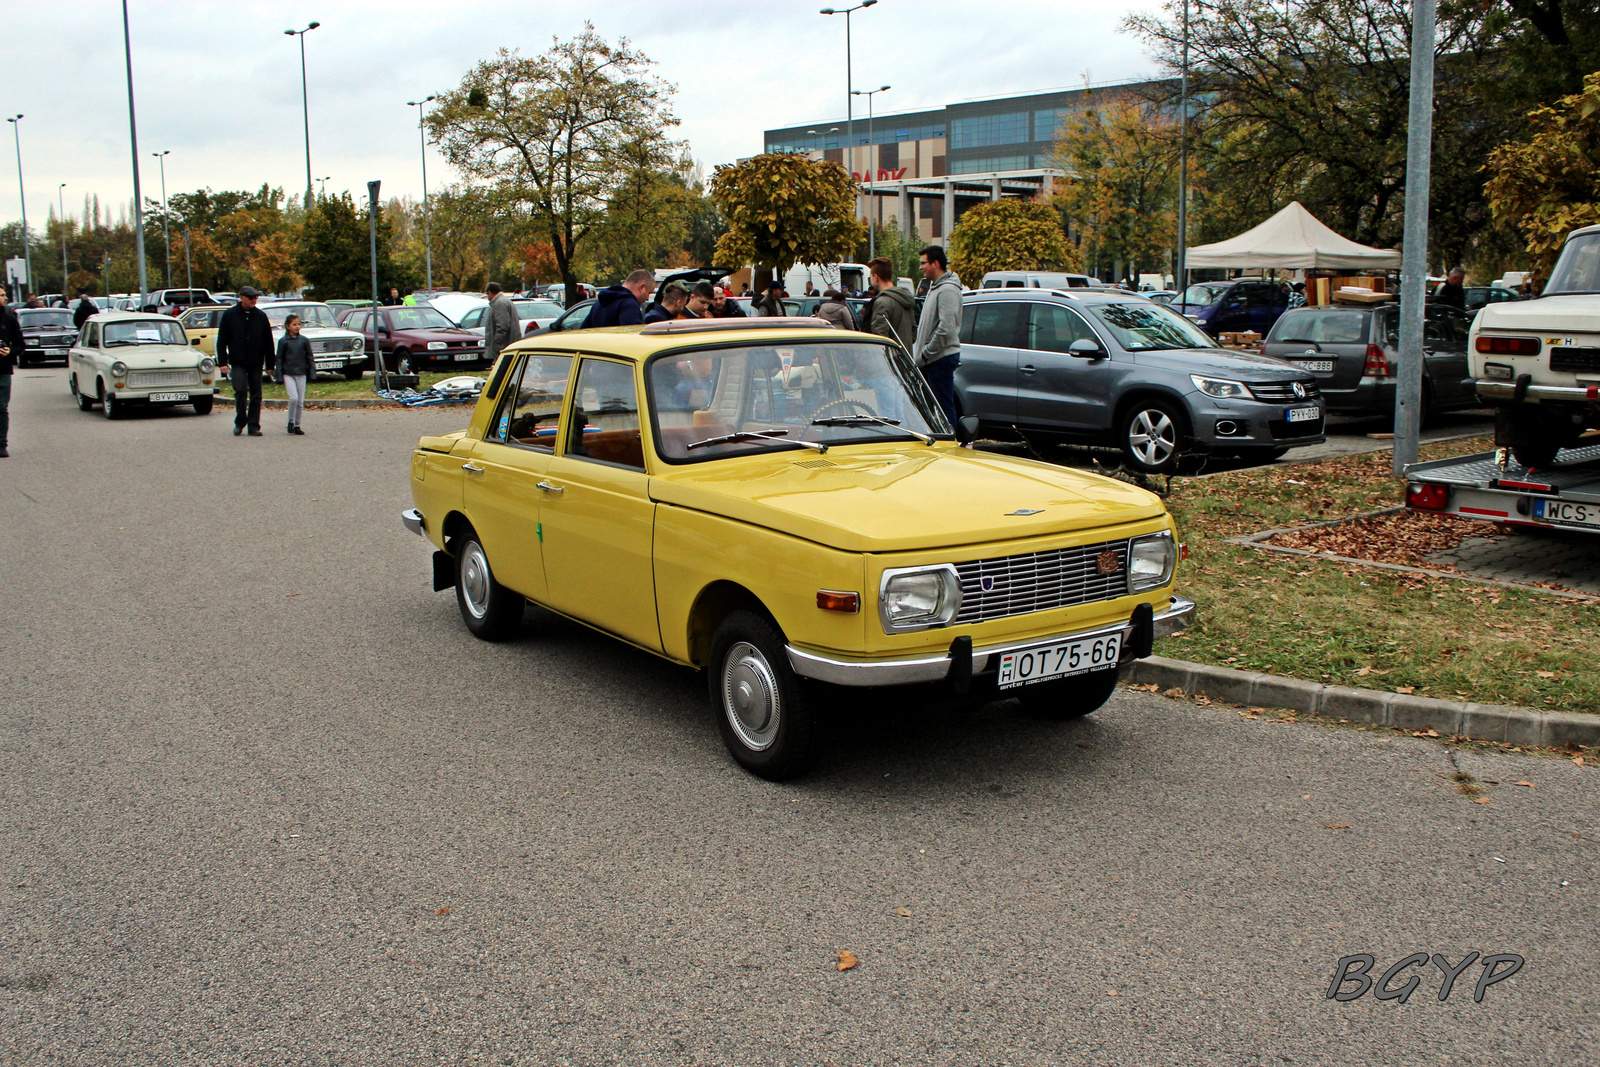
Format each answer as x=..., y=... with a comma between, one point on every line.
x=1323, y=365
x=466, y=357
x=1567, y=512
x=1303, y=414
x=168, y=398
x=1062, y=660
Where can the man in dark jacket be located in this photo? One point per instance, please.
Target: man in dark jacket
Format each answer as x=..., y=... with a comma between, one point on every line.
x=618, y=305
x=11, y=346
x=1451, y=293
x=670, y=306
x=85, y=308
x=893, y=311
x=394, y=299
x=244, y=346
x=724, y=306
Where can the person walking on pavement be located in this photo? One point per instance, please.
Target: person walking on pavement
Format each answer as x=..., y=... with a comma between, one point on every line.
x=11, y=348
x=500, y=324
x=619, y=305
x=893, y=311
x=294, y=364
x=244, y=347
x=85, y=308
x=937, y=351
x=835, y=312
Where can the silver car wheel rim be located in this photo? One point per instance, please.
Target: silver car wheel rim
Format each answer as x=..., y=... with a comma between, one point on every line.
x=750, y=696
x=475, y=581
x=1152, y=437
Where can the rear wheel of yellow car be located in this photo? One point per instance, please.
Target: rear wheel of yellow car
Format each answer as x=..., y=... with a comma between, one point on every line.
x=1069, y=698
x=761, y=704
x=491, y=611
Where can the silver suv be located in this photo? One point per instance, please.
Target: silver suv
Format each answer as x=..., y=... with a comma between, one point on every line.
x=1113, y=369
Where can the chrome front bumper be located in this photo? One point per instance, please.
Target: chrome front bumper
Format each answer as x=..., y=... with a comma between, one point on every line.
x=412, y=518
x=1176, y=616
x=1491, y=389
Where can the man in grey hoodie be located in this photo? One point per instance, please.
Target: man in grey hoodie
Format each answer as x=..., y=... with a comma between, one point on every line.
x=938, y=346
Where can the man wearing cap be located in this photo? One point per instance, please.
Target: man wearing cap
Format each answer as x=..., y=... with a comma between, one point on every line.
x=244, y=347
x=673, y=298
x=723, y=306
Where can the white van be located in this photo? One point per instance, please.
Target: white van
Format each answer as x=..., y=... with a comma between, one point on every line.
x=1035, y=279
x=825, y=276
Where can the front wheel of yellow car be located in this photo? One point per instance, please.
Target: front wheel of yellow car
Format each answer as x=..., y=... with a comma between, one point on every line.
x=490, y=610
x=1069, y=698
x=761, y=706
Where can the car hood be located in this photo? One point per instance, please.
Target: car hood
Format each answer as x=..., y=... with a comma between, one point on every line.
x=1246, y=366
x=893, y=497
x=452, y=333
x=155, y=357
x=1578, y=312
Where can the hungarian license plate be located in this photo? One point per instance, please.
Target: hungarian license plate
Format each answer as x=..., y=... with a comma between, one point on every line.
x=337, y=364
x=1324, y=365
x=1060, y=660
x=466, y=357
x=1303, y=414
x=1566, y=511
x=168, y=398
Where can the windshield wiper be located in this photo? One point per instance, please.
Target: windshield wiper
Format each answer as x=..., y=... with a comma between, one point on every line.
x=765, y=435
x=121, y=344
x=858, y=420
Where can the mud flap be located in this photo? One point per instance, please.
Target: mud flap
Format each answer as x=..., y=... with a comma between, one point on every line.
x=444, y=571
x=1142, y=638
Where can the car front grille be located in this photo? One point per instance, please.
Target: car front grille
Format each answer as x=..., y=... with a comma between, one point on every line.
x=333, y=344
x=1039, y=581
x=142, y=379
x=1283, y=392
x=1575, y=359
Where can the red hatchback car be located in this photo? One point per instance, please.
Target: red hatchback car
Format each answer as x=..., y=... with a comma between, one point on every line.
x=415, y=338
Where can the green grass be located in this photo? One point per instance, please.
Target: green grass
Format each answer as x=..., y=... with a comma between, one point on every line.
x=329, y=389
x=1347, y=624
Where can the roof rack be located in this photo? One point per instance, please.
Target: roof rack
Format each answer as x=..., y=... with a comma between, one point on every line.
x=782, y=322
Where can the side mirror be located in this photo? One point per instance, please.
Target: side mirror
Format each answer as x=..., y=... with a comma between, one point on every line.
x=969, y=426
x=194, y=340
x=1086, y=349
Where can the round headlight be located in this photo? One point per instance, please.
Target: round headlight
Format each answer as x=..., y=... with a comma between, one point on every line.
x=207, y=365
x=119, y=369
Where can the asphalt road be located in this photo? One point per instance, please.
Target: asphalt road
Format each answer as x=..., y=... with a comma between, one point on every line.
x=263, y=800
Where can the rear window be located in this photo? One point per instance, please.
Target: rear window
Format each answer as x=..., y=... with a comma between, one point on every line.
x=1330, y=327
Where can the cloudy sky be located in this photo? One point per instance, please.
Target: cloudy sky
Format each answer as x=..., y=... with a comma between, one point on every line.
x=218, y=83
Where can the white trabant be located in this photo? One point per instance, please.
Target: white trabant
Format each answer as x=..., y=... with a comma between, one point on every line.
x=334, y=349
x=127, y=359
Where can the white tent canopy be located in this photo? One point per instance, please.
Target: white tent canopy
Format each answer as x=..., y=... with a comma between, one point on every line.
x=1292, y=239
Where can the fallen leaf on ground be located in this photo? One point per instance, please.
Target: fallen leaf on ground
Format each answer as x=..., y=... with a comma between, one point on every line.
x=291, y=594
x=903, y=911
x=1578, y=760
x=1148, y=687
x=1336, y=826
x=1363, y=672
x=847, y=959
x=442, y=911
x=1528, y=784
x=1545, y=674
x=1480, y=800
x=1175, y=693
x=1429, y=732
x=1407, y=690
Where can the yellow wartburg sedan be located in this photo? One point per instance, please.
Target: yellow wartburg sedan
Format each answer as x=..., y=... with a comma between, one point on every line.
x=782, y=504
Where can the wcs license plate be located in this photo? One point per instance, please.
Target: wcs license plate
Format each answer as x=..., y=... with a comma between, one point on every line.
x=1324, y=365
x=1058, y=661
x=1565, y=511
x=168, y=398
x=1303, y=414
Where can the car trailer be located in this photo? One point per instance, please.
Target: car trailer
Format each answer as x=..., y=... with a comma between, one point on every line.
x=1494, y=487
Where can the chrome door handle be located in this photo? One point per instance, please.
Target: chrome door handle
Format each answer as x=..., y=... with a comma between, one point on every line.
x=547, y=487
x=1028, y=369
x=470, y=469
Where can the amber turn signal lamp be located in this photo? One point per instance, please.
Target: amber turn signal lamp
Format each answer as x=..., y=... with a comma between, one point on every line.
x=833, y=600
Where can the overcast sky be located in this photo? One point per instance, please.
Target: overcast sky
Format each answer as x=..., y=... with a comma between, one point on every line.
x=218, y=83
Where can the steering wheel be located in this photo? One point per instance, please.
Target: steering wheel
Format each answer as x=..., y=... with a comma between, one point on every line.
x=845, y=405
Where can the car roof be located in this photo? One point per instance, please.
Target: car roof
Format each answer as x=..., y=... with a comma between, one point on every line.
x=127, y=316
x=637, y=344
x=1081, y=296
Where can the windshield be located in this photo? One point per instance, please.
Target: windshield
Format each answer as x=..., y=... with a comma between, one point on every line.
x=419, y=318
x=785, y=391
x=537, y=309
x=1200, y=294
x=1146, y=327
x=310, y=314
x=1578, y=269
x=144, y=332
x=44, y=317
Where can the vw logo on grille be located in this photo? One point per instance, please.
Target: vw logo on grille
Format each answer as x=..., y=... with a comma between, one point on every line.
x=1300, y=390
x=987, y=583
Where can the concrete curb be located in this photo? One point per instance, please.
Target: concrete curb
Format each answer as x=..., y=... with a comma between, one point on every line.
x=271, y=404
x=1483, y=722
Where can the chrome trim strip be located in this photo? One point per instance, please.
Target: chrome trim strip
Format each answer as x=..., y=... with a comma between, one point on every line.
x=1177, y=616
x=412, y=518
x=1497, y=390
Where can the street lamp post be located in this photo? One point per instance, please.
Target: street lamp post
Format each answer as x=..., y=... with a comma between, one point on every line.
x=133, y=141
x=188, y=264
x=427, y=225
x=166, y=230
x=1181, y=266
x=323, y=192
x=61, y=206
x=872, y=173
x=27, y=256
x=849, y=85
x=305, y=101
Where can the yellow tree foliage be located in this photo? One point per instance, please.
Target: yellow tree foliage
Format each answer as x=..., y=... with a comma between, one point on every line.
x=1550, y=185
x=273, y=264
x=784, y=209
x=1010, y=234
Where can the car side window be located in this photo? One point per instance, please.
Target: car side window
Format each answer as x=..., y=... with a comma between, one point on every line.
x=1436, y=328
x=529, y=413
x=471, y=318
x=91, y=333
x=1053, y=328
x=573, y=319
x=605, y=415
x=997, y=323
x=1234, y=299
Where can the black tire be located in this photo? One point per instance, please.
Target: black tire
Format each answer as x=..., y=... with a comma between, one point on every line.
x=109, y=404
x=85, y=401
x=1153, y=435
x=491, y=611
x=761, y=705
x=1069, y=698
x=402, y=362
x=352, y=373
x=202, y=406
x=1533, y=441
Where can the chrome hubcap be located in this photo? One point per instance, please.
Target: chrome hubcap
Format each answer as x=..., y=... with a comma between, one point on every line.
x=1152, y=437
x=475, y=580
x=750, y=696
